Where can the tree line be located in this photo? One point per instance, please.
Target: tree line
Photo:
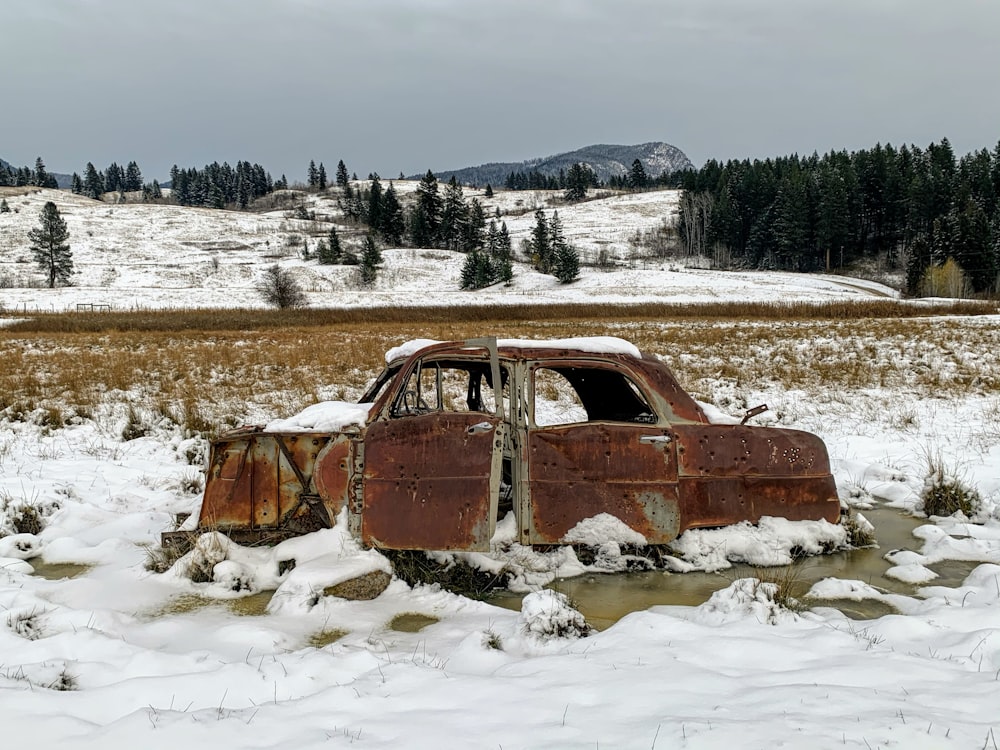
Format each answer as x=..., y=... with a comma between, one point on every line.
x=11, y=176
x=580, y=178
x=907, y=208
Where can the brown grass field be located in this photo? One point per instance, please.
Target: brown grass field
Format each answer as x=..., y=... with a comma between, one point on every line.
x=208, y=369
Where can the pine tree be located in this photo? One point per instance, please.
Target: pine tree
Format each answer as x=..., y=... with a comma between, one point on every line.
x=374, y=208
x=76, y=184
x=541, y=249
x=426, y=216
x=454, y=215
x=475, y=226
x=577, y=182
x=505, y=255
x=472, y=271
x=133, y=177
x=567, y=264
x=637, y=177
x=4, y=208
x=48, y=243
x=371, y=259
x=393, y=224
x=321, y=177
x=93, y=183
x=41, y=176
x=330, y=252
x=312, y=174
x=341, y=174
x=488, y=192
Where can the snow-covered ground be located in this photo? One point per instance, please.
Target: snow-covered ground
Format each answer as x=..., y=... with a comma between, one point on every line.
x=158, y=659
x=116, y=655
x=144, y=256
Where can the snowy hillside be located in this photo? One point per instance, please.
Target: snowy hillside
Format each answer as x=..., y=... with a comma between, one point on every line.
x=135, y=255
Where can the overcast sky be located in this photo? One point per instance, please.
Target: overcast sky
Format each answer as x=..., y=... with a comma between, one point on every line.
x=410, y=85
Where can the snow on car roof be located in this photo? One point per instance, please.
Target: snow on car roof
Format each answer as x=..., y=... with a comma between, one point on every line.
x=587, y=344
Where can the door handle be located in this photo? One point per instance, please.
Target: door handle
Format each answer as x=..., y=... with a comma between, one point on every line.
x=479, y=428
x=656, y=439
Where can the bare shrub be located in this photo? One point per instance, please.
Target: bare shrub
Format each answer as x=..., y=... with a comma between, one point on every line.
x=946, y=280
x=278, y=287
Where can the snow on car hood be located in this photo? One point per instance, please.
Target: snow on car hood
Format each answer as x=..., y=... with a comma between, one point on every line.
x=326, y=416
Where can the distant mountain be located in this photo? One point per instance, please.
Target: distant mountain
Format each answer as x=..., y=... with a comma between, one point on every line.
x=606, y=161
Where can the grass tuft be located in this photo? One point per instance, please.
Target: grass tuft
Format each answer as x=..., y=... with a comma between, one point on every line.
x=945, y=492
x=416, y=567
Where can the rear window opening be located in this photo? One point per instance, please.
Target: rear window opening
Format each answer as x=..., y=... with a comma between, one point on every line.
x=569, y=395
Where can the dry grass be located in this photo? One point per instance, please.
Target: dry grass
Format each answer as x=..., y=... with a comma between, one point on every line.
x=207, y=370
x=238, y=319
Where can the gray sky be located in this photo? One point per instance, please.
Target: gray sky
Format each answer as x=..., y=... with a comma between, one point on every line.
x=410, y=85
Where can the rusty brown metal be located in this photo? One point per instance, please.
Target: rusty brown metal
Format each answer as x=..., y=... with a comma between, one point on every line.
x=427, y=482
x=430, y=478
x=580, y=471
x=263, y=482
x=732, y=473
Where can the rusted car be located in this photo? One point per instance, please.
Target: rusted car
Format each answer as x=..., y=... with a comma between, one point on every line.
x=453, y=436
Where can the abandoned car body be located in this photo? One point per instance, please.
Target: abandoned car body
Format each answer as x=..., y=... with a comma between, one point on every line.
x=453, y=436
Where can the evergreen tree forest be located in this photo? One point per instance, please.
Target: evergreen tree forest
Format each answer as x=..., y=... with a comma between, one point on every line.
x=11, y=176
x=220, y=185
x=903, y=208
x=492, y=263
x=550, y=252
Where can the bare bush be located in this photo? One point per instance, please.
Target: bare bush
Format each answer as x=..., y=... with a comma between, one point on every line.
x=279, y=288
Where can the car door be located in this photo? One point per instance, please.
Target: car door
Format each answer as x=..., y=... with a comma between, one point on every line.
x=431, y=465
x=595, y=447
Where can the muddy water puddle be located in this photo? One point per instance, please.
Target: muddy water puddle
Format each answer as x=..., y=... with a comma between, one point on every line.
x=249, y=606
x=411, y=622
x=58, y=571
x=605, y=599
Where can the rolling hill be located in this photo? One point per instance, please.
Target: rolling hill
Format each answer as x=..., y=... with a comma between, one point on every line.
x=141, y=255
x=606, y=161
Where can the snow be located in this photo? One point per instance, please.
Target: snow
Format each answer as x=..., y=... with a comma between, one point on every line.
x=408, y=349
x=159, y=660
x=326, y=416
x=111, y=655
x=200, y=257
x=585, y=344
x=603, y=528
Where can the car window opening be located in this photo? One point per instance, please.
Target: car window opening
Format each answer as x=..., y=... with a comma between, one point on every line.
x=568, y=395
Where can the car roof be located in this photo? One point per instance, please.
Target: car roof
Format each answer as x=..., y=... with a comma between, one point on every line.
x=525, y=348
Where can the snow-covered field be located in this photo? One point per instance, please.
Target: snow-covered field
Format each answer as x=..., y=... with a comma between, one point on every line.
x=116, y=655
x=143, y=256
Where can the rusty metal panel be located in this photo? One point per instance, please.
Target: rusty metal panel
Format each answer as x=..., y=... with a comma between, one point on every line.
x=672, y=399
x=332, y=473
x=733, y=473
x=738, y=450
x=709, y=501
x=580, y=471
x=258, y=480
x=227, y=486
x=264, y=497
x=428, y=481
